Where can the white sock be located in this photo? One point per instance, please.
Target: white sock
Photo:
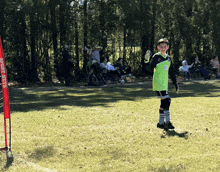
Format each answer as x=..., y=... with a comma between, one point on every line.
x=167, y=115
x=161, y=118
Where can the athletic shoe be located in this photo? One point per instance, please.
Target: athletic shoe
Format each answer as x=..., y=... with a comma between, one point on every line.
x=169, y=125
x=160, y=125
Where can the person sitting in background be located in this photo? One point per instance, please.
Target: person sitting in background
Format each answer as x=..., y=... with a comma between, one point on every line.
x=94, y=61
x=198, y=67
x=185, y=69
x=215, y=65
x=109, y=71
x=123, y=69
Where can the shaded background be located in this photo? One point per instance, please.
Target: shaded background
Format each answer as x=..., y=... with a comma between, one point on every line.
x=34, y=33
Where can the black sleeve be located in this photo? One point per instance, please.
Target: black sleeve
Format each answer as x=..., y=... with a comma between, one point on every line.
x=172, y=73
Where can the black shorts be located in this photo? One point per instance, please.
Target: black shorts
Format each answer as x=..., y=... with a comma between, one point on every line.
x=162, y=94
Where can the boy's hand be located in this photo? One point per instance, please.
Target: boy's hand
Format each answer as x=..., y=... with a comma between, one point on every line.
x=147, y=56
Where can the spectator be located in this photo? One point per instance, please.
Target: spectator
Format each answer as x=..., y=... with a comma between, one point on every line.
x=68, y=66
x=197, y=67
x=94, y=61
x=185, y=69
x=123, y=70
x=215, y=64
x=109, y=71
x=94, y=54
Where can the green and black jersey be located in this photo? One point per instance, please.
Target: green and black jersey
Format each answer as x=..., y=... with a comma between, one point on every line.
x=161, y=66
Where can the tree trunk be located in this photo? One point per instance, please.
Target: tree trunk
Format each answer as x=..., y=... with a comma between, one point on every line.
x=25, y=62
x=124, y=45
x=85, y=60
x=76, y=40
x=48, y=71
x=33, y=33
x=102, y=26
x=58, y=72
x=2, y=19
x=62, y=23
x=153, y=21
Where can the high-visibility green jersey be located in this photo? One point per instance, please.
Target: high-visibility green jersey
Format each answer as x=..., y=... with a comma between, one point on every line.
x=162, y=66
x=160, y=77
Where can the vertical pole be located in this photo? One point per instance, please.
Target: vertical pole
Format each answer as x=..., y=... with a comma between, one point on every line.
x=5, y=94
x=5, y=125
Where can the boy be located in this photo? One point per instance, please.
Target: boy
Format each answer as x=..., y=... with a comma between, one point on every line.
x=161, y=65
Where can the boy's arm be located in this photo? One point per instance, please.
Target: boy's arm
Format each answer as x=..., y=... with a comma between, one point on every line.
x=173, y=76
x=151, y=65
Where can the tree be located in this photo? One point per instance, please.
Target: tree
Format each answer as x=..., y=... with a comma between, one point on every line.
x=33, y=34
x=2, y=19
x=53, y=28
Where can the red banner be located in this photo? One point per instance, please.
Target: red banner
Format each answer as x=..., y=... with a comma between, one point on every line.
x=4, y=80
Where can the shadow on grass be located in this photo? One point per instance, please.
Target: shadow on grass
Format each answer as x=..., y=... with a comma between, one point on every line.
x=41, y=153
x=171, y=168
x=10, y=160
x=39, y=98
x=172, y=133
x=6, y=161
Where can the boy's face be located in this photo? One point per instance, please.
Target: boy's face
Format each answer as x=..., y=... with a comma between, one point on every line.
x=163, y=47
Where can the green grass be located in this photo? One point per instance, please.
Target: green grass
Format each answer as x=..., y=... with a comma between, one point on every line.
x=113, y=129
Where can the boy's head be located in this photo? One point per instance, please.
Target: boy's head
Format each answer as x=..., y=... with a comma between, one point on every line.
x=163, y=45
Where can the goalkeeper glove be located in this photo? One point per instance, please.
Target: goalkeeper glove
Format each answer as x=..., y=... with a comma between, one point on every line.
x=147, y=56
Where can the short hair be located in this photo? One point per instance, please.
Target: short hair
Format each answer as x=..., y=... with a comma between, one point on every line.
x=163, y=40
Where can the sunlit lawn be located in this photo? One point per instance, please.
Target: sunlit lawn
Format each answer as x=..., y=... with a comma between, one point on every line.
x=113, y=129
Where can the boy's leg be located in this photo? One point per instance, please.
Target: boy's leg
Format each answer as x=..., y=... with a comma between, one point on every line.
x=164, y=108
x=161, y=95
x=165, y=105
x=161, y=116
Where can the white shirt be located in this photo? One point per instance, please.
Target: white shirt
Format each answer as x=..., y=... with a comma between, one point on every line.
x=184, y=68
x=106, y=67
x=95, y=55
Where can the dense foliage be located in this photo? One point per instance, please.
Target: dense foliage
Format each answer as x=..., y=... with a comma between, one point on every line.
x=34, y=32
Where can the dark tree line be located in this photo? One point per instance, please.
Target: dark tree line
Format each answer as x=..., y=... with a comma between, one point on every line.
x=34, y=32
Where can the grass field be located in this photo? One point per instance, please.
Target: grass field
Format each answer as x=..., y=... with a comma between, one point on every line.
x=113, y=128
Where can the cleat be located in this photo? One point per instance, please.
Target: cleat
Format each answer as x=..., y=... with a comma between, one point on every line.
x=160, y=125
x=169, y=125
